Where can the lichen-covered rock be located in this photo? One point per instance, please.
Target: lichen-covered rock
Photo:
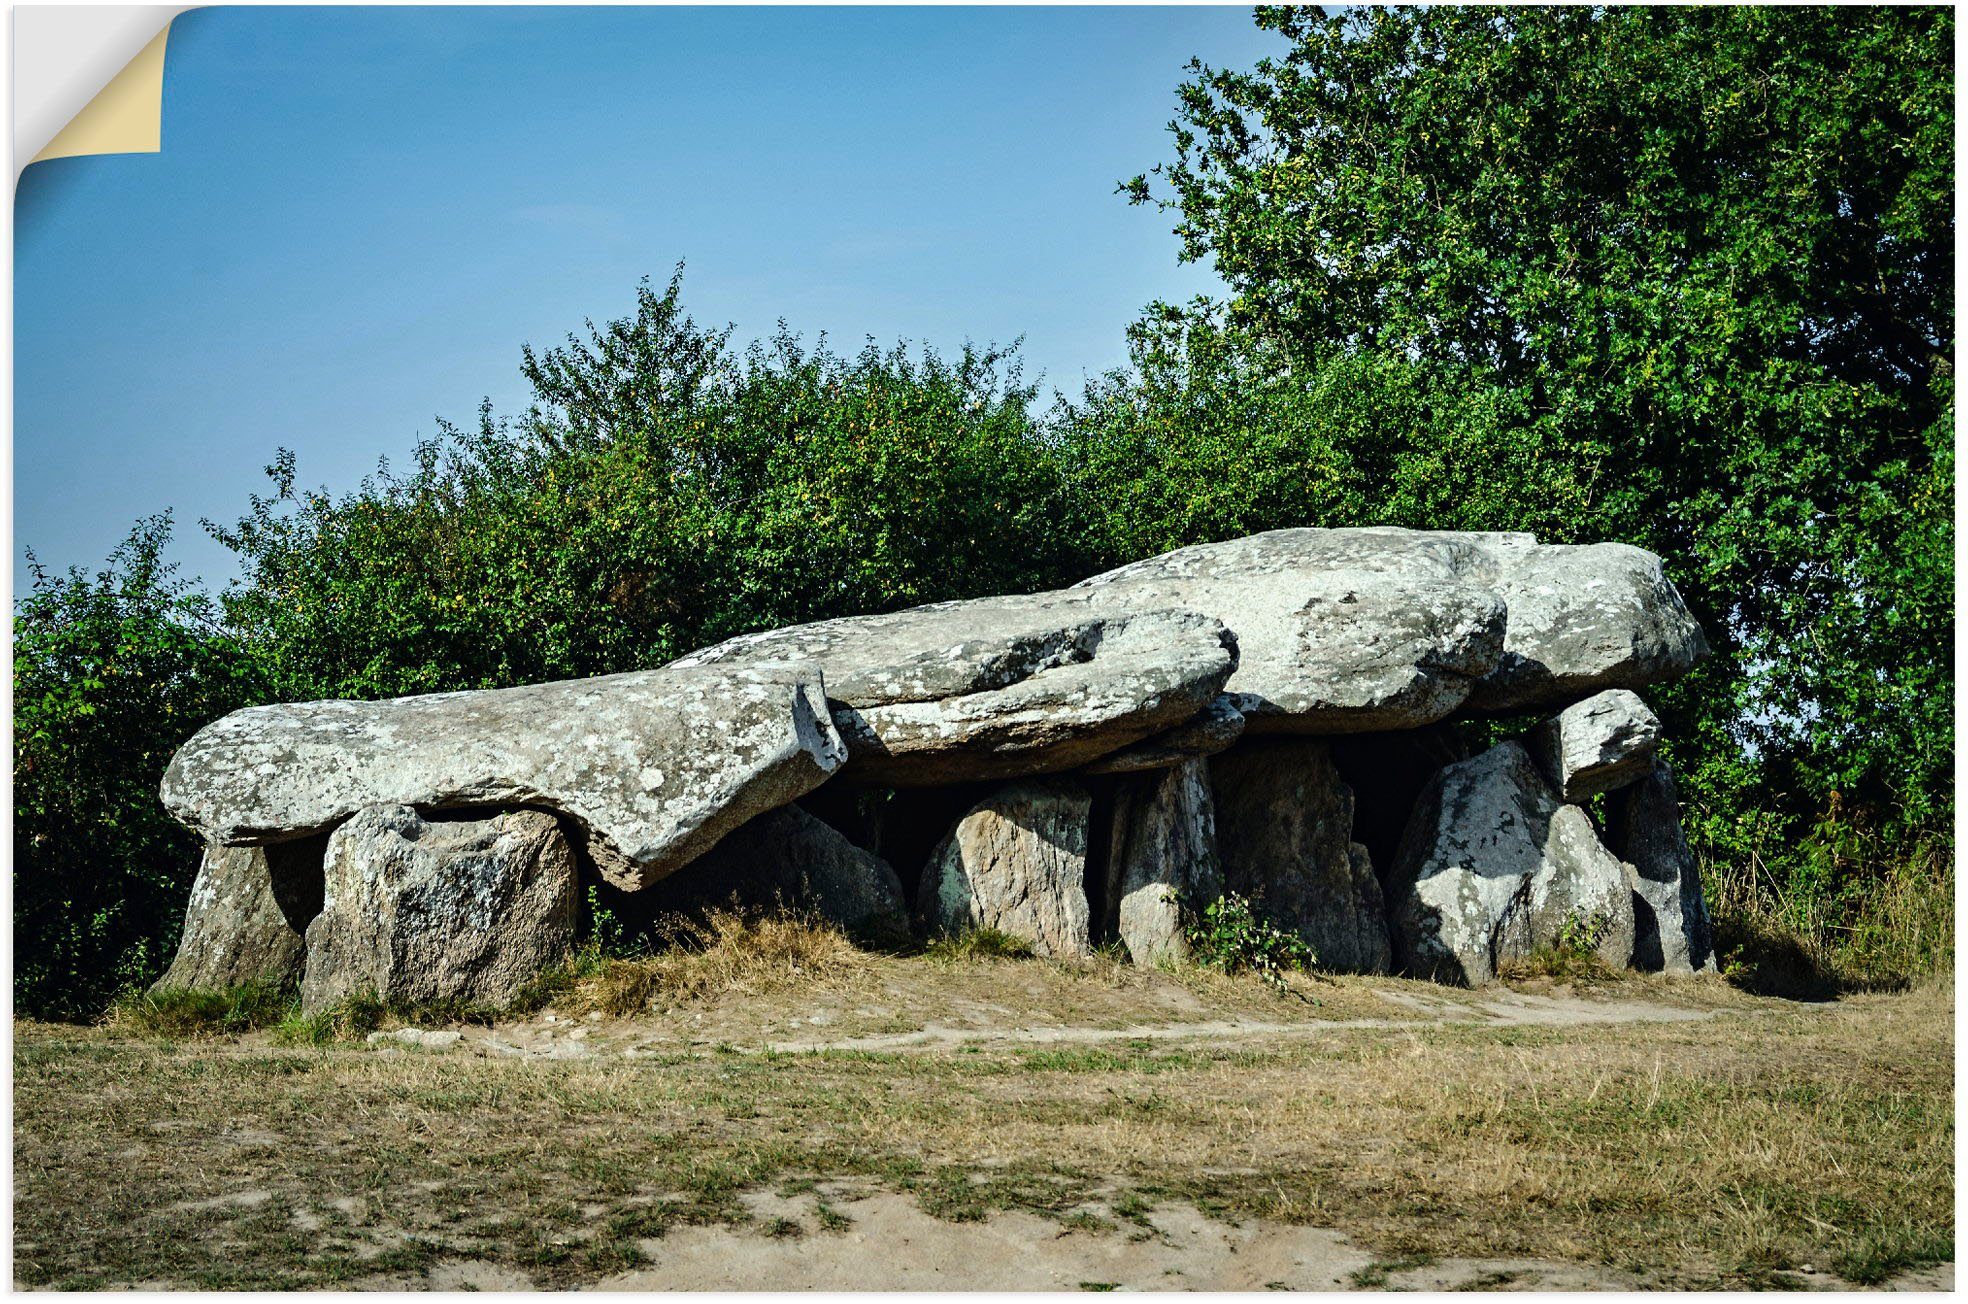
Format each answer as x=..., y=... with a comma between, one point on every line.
x=1343, y=631
x=419, y=910
x=1016, y=863
x=997, y=687
x=1495, y=866
x=788, y=857
x=1162, y=867
x=1209, y=731
x=1671, y=928
x=1605, y=742
x=1583, y=617
x=1338, y=631
x=1284, y=822
x=247, y=918
x=654, y=766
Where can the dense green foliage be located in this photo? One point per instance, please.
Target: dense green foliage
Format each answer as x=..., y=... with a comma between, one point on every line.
x=111, y=673
x=663, y=494
x=1675, y=277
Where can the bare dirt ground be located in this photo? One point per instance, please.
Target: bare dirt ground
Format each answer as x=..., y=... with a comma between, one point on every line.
x=913, y=1124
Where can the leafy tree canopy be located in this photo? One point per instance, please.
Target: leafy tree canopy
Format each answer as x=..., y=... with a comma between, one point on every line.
x=1679, y=277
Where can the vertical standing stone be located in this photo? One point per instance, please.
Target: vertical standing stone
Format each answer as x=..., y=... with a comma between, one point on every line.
x=420, y=911
x=248, y=916
x=788, y=857
x=1015, y=863
x=1671, y=928
x=1602, y=743
x=1284, y=823
x=1162, y=866
x=1494, y=866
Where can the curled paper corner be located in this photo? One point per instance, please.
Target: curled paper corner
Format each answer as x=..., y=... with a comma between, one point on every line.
x=126, y=116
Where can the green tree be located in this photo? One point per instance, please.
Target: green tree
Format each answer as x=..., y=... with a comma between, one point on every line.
x=662, y=493
x=1678, y=277
x=111, y=673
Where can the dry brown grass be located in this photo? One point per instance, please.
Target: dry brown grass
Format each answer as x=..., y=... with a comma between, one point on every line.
x=1719, y=1152
x=728, y=952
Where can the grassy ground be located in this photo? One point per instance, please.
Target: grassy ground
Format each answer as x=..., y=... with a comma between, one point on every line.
x=1729, y=1150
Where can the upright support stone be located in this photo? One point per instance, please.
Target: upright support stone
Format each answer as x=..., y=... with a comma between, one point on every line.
x=420, y=911
x=1284, y=823
x=1602, y=743
x=1162, y=866
x=248, y=916
x=1015, y=863
x=1671, y=928
x=790, y=857
x=1494, y=866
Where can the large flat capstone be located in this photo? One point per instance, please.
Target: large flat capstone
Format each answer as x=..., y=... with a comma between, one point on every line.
x=1343, y=631
x=653, y=766
x=998, y=687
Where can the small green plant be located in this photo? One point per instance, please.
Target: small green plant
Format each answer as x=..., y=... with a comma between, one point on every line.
x=1574, y=954
x=1231, y=936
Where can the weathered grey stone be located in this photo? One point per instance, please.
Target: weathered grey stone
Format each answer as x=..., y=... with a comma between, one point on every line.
x=788, y=857
x=997, y=687
x=247, y=918
x=1671, y=928
x=1605, y=742
x=1583, y=617
x=1284, y=823
x=1015, y=863
x=421, y=910
x=1495, y=866
x=1162, y=868
x=1338, y=631
x=1206, y=733
x=1342, y=631
x=653, y=766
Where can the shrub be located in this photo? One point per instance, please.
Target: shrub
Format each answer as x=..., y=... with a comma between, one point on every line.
x=111, y=673
x=1231, y=936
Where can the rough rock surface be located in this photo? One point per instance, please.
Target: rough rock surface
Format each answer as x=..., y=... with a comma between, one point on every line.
x=1338, y=631
x=1342, y=631
x=1284, y=823
x=997, y=687
x=1209, y=731
x=1494, y=866
x=420, y=910
x=1015, y=863
x=1162, y=867
x=789, y=857
x=1671, y=928
x=1605, y=742
x=654, y=766
x=248, y=916
x=1583, y=617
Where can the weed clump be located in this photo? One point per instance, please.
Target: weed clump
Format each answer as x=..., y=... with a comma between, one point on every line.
x=187, y=1012
x=978, y=944
x=1232, y=937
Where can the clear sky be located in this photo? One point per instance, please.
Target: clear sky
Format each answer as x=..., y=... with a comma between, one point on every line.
x=359, y=215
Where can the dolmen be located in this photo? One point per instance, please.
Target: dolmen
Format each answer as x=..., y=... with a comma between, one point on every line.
x=1269, y=716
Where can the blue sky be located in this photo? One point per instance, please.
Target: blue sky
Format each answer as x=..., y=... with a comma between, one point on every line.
x=359, y=215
